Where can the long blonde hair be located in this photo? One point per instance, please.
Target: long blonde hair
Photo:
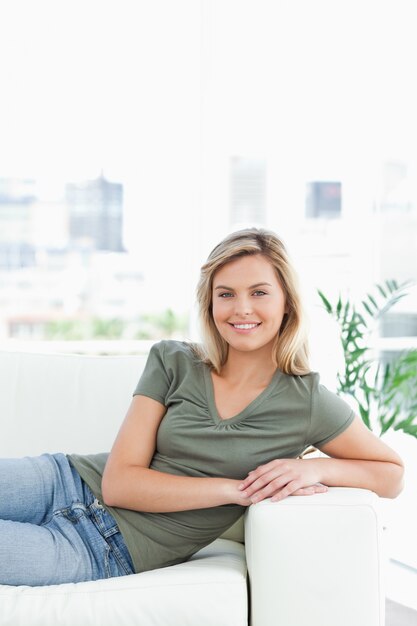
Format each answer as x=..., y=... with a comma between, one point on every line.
x=290, y=352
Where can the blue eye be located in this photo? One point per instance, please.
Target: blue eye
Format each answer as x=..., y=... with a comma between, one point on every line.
x=226, y=294
x=258, y=292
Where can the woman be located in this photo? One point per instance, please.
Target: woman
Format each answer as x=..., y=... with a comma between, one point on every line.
x=211, y=429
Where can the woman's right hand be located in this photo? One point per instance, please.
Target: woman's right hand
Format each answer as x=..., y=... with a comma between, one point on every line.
x=235, y=494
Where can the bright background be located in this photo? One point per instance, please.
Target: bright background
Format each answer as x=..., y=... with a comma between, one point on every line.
x=164, y=97
x=161, y=95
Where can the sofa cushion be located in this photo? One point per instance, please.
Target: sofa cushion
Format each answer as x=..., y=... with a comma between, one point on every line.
x=208, y=590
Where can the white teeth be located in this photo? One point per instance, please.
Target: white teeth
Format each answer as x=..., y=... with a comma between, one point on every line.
x=245, y=326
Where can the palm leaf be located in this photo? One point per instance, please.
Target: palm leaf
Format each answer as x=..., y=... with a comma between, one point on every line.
x=390, y=388
x=325, y=301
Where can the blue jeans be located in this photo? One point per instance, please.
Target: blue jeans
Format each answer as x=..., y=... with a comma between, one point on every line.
x=52, y=528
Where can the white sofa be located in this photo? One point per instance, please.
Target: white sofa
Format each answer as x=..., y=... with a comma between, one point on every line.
x=306, y=561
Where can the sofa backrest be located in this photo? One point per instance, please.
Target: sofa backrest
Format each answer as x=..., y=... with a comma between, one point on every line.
x=76, y=403
x=67, y=403
x=63, y=402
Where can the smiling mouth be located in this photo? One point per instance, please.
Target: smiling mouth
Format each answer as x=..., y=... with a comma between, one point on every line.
x=246, y=326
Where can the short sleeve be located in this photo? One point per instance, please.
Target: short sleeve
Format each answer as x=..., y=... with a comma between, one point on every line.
x=330, y=415
x=155, y=381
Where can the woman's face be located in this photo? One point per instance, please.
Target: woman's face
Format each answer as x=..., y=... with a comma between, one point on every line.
x=248, y=303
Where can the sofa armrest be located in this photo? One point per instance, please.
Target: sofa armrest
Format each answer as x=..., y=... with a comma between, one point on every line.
x=316, y=560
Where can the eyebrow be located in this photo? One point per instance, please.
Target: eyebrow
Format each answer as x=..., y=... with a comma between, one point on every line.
x=251, y=286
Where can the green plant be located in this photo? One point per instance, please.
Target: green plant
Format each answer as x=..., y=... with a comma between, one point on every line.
x=385, y=393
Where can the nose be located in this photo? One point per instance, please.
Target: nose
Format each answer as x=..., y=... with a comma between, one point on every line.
x=243, y=306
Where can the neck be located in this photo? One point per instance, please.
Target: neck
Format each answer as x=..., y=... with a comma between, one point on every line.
x=253, y=367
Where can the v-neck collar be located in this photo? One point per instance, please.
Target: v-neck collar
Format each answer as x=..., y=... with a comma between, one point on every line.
x=211, y=402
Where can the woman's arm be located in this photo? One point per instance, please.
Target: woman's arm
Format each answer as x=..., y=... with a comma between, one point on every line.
x=359, y=459
x=129, y=483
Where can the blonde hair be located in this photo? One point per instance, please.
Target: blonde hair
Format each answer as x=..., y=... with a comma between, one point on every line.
x=290, y=352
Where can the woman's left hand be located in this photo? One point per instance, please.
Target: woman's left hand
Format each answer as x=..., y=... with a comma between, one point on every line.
x=281, y=478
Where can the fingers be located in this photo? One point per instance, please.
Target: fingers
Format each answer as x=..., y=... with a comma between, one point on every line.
x=268, y=479
x=263, y=474
x=279, y=490
x=279, y=479
x=260, y=471
x=309, y=491
x=281, y=485
x=290, y=490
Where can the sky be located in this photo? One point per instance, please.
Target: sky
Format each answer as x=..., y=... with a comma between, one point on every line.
x=160, y=94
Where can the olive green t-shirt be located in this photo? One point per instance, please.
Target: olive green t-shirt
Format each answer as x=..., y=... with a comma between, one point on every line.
x=292, y=413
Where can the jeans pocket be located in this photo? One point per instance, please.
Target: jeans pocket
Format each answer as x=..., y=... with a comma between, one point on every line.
x=103, y=545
